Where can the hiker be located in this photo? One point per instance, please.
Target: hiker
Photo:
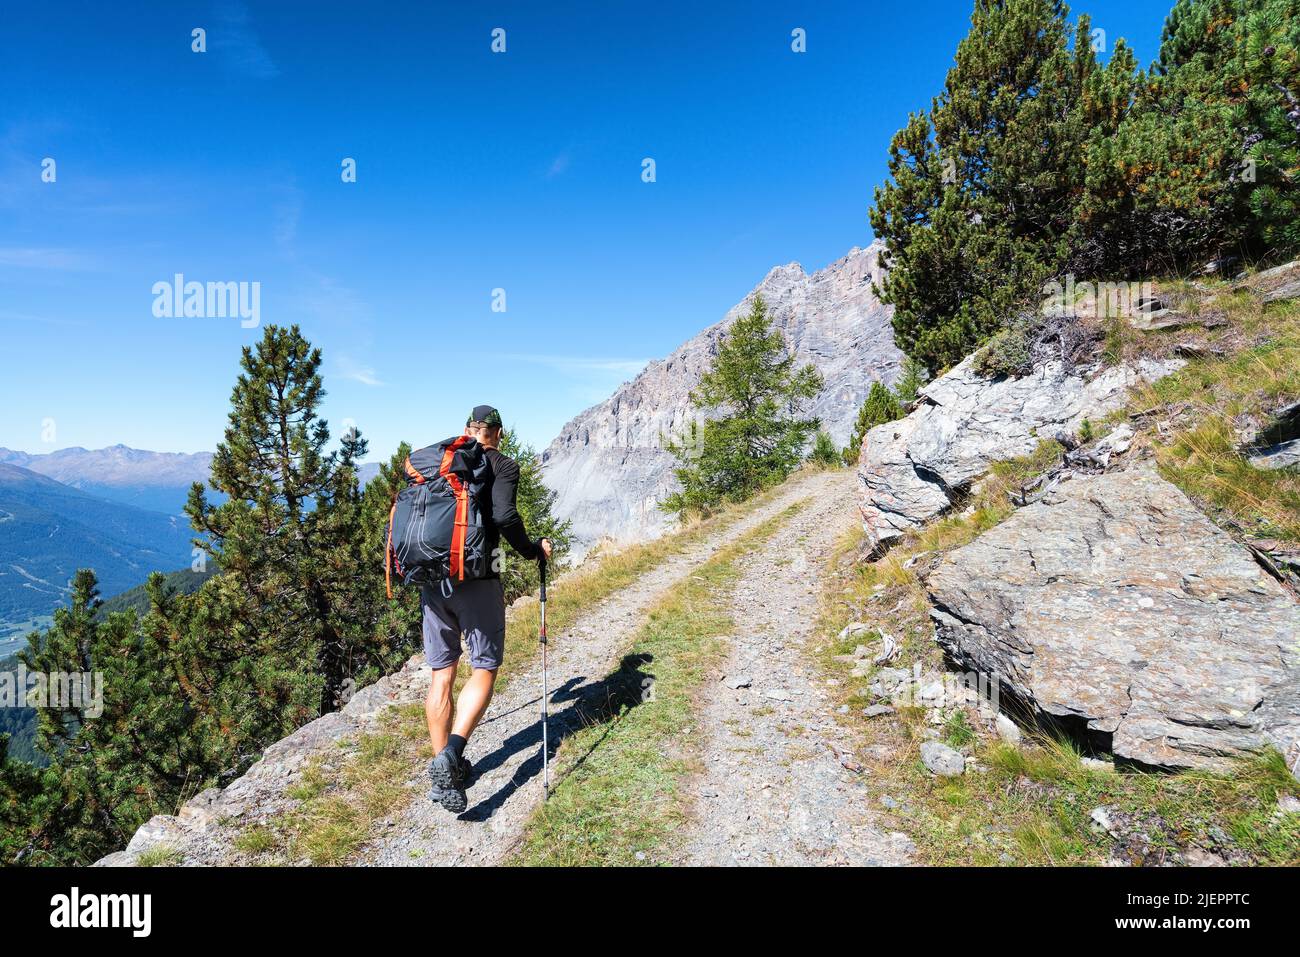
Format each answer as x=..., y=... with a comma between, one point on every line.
x=477, y=608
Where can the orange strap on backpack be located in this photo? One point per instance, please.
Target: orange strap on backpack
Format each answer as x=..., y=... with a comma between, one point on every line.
x=462, y=508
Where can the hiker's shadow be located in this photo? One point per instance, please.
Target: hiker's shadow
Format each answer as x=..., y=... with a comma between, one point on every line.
x=594, y=704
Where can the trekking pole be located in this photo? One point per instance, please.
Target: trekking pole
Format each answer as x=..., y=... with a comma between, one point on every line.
x=541, y=639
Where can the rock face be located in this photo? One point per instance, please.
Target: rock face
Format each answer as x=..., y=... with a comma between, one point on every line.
x=608, y=466
x=1115, y=602
x=1276, y=285
x=1278, y=445
x=910, y=470
x=263, y=791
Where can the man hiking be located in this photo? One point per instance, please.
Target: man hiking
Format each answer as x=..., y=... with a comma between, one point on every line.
x=476, y=608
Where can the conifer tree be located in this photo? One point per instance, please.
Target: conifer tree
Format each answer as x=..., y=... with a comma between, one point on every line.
x=979, y=207
x=534, y=503
x=275, y=620
x=754, y=433
x=881, y=406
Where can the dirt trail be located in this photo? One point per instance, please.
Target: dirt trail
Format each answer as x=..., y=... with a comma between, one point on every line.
x=774, y=790
x=505, y=786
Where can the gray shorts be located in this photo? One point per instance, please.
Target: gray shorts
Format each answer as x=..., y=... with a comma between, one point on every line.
x=477, y=608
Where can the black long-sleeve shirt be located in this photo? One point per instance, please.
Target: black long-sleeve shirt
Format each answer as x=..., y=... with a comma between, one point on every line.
x=504, y=521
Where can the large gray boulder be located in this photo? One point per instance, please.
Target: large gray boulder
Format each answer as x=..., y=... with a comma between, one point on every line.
x=1115, y=602
x=912, y=469
x=1278, y=284
x=609, y=467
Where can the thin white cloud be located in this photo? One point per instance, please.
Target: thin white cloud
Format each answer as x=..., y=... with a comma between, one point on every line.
x=31, y=257
x=239, y=47
x=582, y=364
x=558, y=165
x=350, y=369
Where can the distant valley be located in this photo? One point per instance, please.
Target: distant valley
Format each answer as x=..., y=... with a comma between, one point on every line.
x=48, y=530
x=158, y=481
x=117, y=510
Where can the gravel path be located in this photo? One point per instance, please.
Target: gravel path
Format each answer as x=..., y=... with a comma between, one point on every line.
x=505, y=786
x=774, y=790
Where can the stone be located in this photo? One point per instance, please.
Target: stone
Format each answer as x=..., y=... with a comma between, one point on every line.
x=116, y=859
x=1101, y=821
x=1114, y=602
x=1277, y=446
x=854, y=629
x=739, y=681
x=1118, y=440
x=1008, y=730
x=1288, y=804
x=608, y=466
x=1284, y=455
x=158, y=831
x=1275, y=285
x=888, y=681
x=198, y=812
x=911, y=470
x=877, y=710
x=942, y=760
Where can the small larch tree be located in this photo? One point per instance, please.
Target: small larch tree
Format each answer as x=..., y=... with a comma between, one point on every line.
x=754, y=432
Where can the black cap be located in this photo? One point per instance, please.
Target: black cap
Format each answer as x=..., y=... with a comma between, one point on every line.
x=485, y=414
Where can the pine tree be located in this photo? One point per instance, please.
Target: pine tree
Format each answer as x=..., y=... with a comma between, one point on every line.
x=824, y=452
x=754, y=434
x=908, y=387
x=132, y=752
x=1206, y=162
x=979, y=208
x=279, y=538
x=881, y=406
x=534, y=503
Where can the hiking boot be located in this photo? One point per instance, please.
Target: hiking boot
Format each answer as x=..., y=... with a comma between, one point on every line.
x=448, y=775
x=453, y=799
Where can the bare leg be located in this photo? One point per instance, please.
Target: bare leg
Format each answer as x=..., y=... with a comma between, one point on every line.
x=437, y=706
x=473, y=701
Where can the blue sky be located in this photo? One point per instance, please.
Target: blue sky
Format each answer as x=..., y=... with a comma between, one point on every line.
x=475, y=171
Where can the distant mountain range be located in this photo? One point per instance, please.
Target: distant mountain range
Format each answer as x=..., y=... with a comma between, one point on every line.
x=159, y=481
x=118, y=510
x=48, y=530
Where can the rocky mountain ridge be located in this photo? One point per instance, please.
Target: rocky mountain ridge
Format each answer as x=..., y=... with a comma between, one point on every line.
x=609, y=467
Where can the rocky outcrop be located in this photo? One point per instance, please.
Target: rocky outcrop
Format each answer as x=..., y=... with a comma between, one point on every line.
x=609, y=467
x=911, y=470
x=195, y=833
x=1277, y=446
x=1275, y=285
x=1114, y=602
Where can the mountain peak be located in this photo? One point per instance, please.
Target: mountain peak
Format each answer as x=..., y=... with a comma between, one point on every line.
x=608, y=465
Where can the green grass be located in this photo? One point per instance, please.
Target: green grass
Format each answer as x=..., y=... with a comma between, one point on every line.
x=161, y=856
x=339, y=796
x=1210, y=398
x=618, y=781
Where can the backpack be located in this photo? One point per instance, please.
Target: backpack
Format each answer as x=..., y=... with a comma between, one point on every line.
x=436, y=533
